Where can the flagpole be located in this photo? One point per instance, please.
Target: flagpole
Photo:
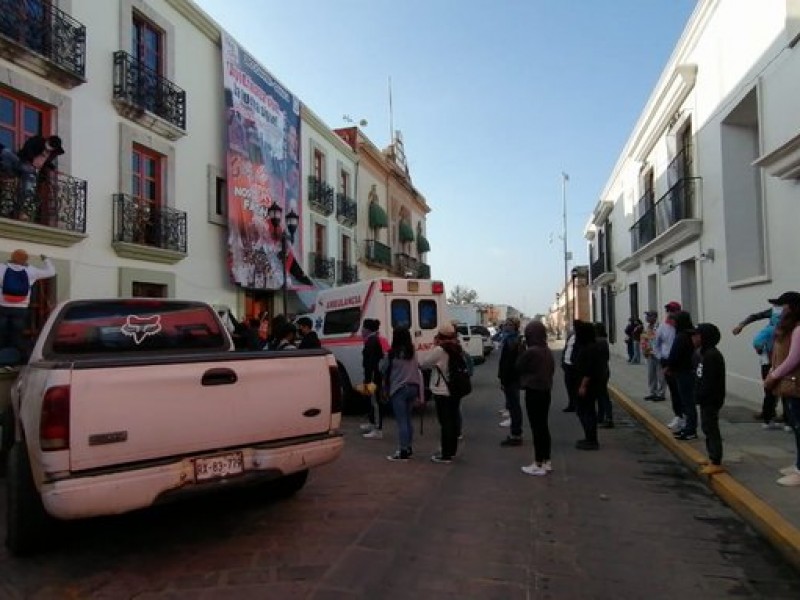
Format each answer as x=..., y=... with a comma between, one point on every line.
x=567, y=321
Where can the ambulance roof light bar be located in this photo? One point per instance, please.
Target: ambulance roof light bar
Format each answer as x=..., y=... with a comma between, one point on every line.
x=387, y=286
x=437, y=287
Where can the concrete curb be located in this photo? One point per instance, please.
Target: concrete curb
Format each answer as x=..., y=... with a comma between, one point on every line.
x=784, y=536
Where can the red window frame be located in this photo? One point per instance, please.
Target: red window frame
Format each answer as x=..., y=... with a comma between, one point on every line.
x=319, y=239
x=344, y=181
x=148, y=43
x=18, y=130
x=140, y=158
x=318, y=159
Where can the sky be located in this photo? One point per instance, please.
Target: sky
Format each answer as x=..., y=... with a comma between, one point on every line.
x=495, y=99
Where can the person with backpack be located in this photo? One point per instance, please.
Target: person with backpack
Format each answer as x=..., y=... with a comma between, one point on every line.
x=450, y=382
x=402, y=380
x=16, y=280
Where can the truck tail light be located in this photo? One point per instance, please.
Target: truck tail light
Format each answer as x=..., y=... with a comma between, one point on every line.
x=54, y=425
x=336, y=390
x=437, y=287
x=387, y=285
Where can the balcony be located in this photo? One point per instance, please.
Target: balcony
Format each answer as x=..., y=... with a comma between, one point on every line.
x=405, y=265
x=45, y=40
x=346, y=210
x=377, y=254
x=322, y=267
x=53, y=212
x=347, y=273
x=667, y=225
x=149, y=232
x=140, y=94
x=320, y=196
x=423, y=271
x=601, y=272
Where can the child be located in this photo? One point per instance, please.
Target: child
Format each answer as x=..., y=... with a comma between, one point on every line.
x=709, y=391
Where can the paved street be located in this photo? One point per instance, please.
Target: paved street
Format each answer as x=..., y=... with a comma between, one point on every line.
x=629, y=521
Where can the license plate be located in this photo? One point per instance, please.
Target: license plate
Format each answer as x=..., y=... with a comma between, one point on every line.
x=217, y=467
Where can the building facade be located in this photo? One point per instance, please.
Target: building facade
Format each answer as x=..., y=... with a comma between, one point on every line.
x=139, y=204
x=701, y=205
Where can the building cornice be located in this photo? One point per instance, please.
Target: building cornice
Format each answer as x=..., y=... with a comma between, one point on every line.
x=197, y=17
x=308, y=115
x=784, y=161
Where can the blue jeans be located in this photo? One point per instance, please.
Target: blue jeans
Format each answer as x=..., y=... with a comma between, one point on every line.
x=402, y=401
x=511, y=390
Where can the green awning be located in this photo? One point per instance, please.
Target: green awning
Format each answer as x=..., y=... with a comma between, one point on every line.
x=406, y=232
x=378, y=218
x=422, y=244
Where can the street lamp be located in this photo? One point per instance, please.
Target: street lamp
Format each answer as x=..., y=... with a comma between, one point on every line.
x=567, y=321
x=274, y=213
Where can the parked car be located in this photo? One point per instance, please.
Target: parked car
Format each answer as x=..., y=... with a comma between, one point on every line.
x=472, y=344
x=486, y=336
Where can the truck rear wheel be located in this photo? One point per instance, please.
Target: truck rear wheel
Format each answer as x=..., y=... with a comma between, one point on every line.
x=27, y=523
x=289, y=485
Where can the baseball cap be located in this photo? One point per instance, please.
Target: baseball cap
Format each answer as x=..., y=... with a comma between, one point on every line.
x=672, y=306
x=786, y=298
x=651, y=313
x=446, y=330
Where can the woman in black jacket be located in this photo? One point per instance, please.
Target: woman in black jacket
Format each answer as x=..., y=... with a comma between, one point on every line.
x=591, y=370
x=679, y=365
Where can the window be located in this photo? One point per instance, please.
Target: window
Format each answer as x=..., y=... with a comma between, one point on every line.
x=221, y=198
x=428, y=314
x=146, y=189
x=143, y=289
x=319, y=165
x=319, y=239
x=401, y=313
x=147, y=41
x=344, y=182
x=21, y=118
x=346, y=250
x=346, y=320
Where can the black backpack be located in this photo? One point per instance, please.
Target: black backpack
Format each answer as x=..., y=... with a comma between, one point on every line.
x=458, y=380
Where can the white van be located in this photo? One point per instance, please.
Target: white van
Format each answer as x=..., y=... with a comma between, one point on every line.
x=339, y=312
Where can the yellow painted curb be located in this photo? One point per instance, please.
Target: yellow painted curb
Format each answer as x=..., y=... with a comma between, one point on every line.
x=765, y=519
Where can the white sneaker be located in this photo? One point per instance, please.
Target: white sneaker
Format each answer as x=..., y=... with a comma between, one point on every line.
x=366, y=427
x=788, y=470
x=547, y=465
x=676, y=424
x=534, y=469
x=505, y=423
x=772, y=425
x=503, y=413
x=792, y=479
x=788, y=428
x=375, y=434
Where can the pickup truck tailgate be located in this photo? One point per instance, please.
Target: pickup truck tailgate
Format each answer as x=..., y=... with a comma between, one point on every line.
x=132, y=413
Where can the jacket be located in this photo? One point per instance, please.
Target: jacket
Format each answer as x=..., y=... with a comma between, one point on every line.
x=509, y=352
x=371, y=357
x=679, y=358
x=709, y=368
x=438, y=362
x=310, y=340
x=536, y=364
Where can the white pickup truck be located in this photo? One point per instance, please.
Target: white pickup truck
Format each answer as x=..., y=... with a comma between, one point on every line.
x=126, y=403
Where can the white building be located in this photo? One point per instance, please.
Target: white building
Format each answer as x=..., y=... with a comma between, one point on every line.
x=701, y=206
x=140, y=203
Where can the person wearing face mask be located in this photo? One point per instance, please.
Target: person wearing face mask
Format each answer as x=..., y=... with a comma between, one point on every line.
x=762, y=343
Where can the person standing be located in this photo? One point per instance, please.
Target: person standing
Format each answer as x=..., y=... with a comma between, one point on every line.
x=629, y=338
x=605, y=413
x=403, y=382
x=371, y=356
x=17, y=278
x=308, y=337
x=709, y=373
x=679, y=367
x=784, y=379
x=655, y=374
x=571, y=379
x=638, y=327
x=536, y=367
x=662, y=345
x=285, y=338
x=589, y=368
x=509, y=380
x=448, y=407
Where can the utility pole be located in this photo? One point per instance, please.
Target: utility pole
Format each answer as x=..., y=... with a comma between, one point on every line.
x=567, y=320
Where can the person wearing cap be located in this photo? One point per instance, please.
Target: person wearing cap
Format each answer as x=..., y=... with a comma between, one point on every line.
x=784, y=379
x=371, y=356
x=679, y=367
x=16, y=282
x=662, y=346
x=448, y=409
x=709, y=390
x=762, y=343
x=655, y=375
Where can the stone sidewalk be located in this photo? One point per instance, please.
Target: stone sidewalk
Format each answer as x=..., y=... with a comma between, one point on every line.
x=753, y=457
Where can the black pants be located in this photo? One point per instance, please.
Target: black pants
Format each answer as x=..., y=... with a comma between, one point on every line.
x=674, y=394
x=572, y=381
x=537, y=405
x=448, y=412
x=709, y=423
x=586, y=409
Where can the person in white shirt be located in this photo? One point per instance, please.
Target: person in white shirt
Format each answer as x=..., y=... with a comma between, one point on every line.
x=662, y=345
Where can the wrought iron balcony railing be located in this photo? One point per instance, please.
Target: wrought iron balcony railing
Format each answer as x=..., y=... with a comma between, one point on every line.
x=346, y=210
x=322, y=267
x=320, y=196
x=139, y=221
x=644, y=203
x=405, y=265
x=423, y=271
x=682, y=165
x=676, y=205
x=57, y=201
x=377, y=253
x=347, y=273
x=46, y=30
x=599, y=267
x=143, y=88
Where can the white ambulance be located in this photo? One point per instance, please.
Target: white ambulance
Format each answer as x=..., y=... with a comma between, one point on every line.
x=339, y=312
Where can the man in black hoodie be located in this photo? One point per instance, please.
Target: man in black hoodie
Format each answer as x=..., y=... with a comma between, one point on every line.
x=709, y=390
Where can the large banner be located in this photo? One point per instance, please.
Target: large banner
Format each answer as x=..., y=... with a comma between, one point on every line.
x=263, y=159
